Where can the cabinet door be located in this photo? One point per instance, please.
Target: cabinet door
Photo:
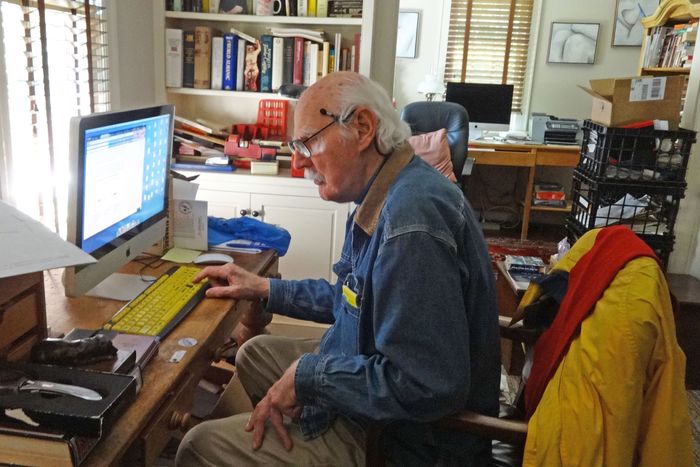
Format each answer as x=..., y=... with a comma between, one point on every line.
x=317, y=228
x=226, y=204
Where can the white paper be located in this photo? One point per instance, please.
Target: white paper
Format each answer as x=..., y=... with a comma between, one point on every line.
x=190, y=224
x=648, y=89
x=182, y=189
x=28, y=246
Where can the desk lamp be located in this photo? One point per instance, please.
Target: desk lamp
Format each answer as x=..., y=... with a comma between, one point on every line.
x=430, y=86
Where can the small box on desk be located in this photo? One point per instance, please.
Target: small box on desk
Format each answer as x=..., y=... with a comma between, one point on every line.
x=70, y=413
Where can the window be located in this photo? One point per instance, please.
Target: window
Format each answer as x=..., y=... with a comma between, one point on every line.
x=55, y=62
x=488, y=43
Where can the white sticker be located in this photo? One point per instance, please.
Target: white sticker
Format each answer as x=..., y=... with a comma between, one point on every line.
x=177, y=356
x=647, y=89
x=187, y=342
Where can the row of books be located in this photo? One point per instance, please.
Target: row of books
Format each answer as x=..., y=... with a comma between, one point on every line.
x=236, y=61
x=670, y=46
x=307, y=8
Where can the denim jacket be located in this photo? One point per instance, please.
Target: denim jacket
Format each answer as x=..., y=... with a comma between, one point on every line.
x=414, y=333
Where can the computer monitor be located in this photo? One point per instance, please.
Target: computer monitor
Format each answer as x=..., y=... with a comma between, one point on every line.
x=118, y=195
x=488, y=105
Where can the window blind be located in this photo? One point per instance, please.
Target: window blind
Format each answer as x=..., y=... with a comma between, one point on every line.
x=56, y=64
x=488, y=43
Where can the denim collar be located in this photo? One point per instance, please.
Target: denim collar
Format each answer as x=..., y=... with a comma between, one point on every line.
x=368, y=212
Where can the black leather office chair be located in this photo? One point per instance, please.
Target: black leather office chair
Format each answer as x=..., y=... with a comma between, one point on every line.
x=426, y=117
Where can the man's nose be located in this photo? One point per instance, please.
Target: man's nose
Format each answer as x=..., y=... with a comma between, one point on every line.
x=299, y=161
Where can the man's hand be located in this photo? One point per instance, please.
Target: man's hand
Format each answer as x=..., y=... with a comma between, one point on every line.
x=280, y=400
x=231, y=281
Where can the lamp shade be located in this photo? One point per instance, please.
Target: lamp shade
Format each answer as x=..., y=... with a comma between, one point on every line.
x=431, y=85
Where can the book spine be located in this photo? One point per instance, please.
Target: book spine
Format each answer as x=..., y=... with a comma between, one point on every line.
x=313, y=62
x=240, y=65
x=325, y=58
x=292, y=8
x=311, y=8
x=188, y=60
x=288, y=61
x=322, y=8
x=358, y=39
x=252, y=70
x=338, y=47
x=298, y=67
x=202, y=57
x=217, y=62
x=229, y=62
x=302, y=8
x=306, y=80
x=277, y=62
x=173, y=58
x=266, y=56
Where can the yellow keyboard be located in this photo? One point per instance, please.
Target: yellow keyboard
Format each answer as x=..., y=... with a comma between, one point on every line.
x=161, y=307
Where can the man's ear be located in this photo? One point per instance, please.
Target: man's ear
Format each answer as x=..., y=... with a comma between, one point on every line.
x=365, y=127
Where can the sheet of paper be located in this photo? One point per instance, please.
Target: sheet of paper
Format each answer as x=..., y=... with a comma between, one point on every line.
x=182, y=189
x=181, y=255
x=28, y=246
x=190, y=224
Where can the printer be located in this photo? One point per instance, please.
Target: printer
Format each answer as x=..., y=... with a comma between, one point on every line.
x=549, y=129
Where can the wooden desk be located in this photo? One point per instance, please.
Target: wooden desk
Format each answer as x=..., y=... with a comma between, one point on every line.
x=163, y=403
x=529, y=156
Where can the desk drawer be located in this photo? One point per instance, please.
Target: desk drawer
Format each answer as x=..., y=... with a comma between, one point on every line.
x=159, y=431
x=22, y=314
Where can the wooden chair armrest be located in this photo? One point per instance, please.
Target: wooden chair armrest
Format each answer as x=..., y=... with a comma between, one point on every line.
x=510, y=431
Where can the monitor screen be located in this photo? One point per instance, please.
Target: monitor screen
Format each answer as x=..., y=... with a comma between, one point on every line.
x=119, y=167
x=488, y=105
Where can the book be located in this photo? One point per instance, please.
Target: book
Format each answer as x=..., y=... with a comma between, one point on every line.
x=311, y=8
x=252, y=71
x=277, y=62
x=356, y=62
x=288, y=60
x=230, y=56
x=302, y=7
x=188, y=59
x=313, y=62
x=298, y=61
x=190, y=125
x=337, y=47
x=217, y=62
x=173, y=58
x=23, y=444
x=240, y=64
x=202, y=57
x=524, y=263
x=322, y=8
x=266, y=56
x=325, y=54
x=309, y=34
x=243, y=35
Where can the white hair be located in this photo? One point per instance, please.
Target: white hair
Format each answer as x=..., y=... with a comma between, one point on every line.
x=354, y=92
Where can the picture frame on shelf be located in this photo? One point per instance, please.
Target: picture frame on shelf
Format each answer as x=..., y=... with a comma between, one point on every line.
x=407, y=33
x=574, y=43
x=627, y=27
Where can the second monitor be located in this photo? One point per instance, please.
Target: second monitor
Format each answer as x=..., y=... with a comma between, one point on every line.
x=489, y=105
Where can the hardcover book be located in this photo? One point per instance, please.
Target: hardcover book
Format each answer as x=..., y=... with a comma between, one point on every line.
x=298, y=64
x=188, y=60
x=266, y=56
x=240, y=64
x=217, y=62
x=202, y=57
x=277, y=62
x=288, y=61
x=230, y=54
x=173, y=58
x=252, y=71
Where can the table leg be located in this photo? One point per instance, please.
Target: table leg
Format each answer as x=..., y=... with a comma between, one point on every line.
x=528, y=202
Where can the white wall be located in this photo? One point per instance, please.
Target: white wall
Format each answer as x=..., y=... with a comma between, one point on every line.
x=131, y=53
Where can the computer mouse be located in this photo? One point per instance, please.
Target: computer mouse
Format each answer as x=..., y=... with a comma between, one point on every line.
x=213, y=258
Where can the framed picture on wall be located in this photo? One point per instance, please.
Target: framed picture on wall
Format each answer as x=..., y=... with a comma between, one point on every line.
x=407, y=34
x=573, y=42
x=628, y=30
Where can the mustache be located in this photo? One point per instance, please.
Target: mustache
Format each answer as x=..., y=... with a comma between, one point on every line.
x=311, y=174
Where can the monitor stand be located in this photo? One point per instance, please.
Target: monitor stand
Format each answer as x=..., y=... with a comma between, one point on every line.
x=124, y=287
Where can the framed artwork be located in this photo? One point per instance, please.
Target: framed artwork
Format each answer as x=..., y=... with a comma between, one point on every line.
x=407, y=34
x=628, y=30
x=573, y=42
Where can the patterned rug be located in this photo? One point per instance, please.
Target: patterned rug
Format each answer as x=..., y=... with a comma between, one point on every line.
x=501, y=246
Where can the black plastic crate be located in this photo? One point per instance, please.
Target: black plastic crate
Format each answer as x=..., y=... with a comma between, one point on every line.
x=624, y=155
x=661, y=244
x=647, y=209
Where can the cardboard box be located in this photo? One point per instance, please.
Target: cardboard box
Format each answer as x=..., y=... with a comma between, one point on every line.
x=620, y=101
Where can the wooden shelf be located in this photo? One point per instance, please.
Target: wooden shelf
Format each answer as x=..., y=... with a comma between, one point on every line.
x=667, y=71
x=566, y=208
x=299, y=20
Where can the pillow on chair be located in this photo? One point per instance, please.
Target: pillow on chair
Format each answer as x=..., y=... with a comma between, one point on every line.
x=433, y=149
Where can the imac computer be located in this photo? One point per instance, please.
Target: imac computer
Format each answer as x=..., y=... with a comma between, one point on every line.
x=488, y=105
x=117, y=208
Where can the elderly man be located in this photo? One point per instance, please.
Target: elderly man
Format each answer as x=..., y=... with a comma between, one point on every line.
x=414, y=333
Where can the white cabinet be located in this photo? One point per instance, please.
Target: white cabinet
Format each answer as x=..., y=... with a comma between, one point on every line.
x=317, y=227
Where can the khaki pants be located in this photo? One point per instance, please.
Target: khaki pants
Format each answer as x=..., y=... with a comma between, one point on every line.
x=259, y=363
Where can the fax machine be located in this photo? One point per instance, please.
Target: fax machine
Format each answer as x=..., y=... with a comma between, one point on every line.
x=549, y=129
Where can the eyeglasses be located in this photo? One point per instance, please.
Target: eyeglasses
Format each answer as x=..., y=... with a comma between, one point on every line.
x=299, y=145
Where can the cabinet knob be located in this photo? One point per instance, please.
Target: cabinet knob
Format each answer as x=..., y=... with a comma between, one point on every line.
x=179, y=421
x=255, y=213
x=244, y=212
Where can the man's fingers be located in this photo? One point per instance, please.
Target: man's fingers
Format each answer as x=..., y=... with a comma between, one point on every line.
x=219, y=292
x=278, y=424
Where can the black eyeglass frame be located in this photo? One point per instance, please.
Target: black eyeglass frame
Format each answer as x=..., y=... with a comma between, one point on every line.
x=299, y=145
